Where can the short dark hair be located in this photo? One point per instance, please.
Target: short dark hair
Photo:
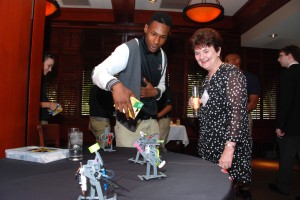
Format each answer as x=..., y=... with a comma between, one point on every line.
x=161, y=18
x=47, y=55
x=293, y=50
x=206, y=37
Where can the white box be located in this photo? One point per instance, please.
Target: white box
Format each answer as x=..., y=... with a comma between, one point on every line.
x=37, y=154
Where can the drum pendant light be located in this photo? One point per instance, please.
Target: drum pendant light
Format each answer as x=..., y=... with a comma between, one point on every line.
x=203, y=12
x=52, y=8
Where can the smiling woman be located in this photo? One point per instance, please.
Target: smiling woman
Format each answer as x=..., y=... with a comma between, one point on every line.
x=224, y=134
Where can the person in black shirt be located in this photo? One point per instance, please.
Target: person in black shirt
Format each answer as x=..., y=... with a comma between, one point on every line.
x=164, y=106
x=141, y=67
x=45, y=104
x=101, y=112
x=253, y=85
x=288, y=120
x=253, y=92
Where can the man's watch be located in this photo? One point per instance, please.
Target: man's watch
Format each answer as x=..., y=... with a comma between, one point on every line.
x=158, y=93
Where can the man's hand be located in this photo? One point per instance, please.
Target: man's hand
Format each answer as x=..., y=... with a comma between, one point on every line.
x=279, y=133
x=252, y=102
x=149, y=90
x=121, y=95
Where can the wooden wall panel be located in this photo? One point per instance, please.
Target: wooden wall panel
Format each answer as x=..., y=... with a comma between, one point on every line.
x=18, y=54
x=35, y=70
x=15, y=49
x=85, y=15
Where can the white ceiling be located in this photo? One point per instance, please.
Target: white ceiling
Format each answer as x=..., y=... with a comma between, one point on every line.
x=284, y=22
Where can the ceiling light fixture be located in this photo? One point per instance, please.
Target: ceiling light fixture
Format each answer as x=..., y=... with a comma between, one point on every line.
x=203, y=12
x=52, y=8
x=152, y=1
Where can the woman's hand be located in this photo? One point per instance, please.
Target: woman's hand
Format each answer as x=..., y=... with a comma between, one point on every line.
x=225, y=161
x=191, y=102
x=52, y=105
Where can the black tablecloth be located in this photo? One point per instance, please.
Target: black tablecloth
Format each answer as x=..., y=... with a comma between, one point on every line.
x=188, y=178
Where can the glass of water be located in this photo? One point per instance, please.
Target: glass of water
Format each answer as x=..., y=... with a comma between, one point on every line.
x=75, y=145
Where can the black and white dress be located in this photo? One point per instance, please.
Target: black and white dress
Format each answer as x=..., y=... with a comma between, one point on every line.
x=224, y=117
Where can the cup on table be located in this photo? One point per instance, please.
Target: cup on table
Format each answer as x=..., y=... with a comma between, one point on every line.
x=71, y=130
x=195, y=96
x=75, y=145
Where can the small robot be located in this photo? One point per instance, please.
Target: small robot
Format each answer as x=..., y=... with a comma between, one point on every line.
x=107, y=140
x=147, y=146
x=95, y=173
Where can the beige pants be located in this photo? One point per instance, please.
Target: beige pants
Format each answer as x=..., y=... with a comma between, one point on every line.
x=164, y=129
x=43, y=122
x=98, y=128
x=126, y=138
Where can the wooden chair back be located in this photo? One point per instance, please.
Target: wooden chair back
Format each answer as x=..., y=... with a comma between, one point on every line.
x=49, y=135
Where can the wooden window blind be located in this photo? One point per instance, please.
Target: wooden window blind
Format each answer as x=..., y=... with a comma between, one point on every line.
x=97, y=46
x=195, y=76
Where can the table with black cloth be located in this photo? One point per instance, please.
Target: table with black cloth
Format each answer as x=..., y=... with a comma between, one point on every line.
x=188, y=178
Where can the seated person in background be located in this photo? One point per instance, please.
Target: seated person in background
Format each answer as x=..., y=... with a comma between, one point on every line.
x=101, y=112
x=164, y=106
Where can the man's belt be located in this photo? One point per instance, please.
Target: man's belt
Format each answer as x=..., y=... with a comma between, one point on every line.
x=102, y=119
x=145, y=117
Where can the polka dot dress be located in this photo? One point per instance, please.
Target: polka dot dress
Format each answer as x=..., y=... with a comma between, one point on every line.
x=224, y=117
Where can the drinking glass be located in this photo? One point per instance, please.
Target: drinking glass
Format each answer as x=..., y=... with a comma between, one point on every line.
x=195, y=96
x=75, y=145
x=71, y=130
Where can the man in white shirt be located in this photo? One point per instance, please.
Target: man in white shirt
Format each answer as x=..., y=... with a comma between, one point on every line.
x=141, y=66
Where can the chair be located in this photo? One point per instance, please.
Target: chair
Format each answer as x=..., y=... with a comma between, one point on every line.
x=49, y=135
